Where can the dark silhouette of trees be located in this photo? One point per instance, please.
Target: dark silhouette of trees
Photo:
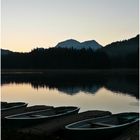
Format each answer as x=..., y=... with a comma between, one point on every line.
x=123, y=54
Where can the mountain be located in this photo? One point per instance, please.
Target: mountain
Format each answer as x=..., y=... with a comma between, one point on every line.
x=91, y=44
x=71, y=43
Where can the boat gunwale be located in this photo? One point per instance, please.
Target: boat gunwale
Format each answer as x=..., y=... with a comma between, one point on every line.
x=21, y=104
x=40, y=117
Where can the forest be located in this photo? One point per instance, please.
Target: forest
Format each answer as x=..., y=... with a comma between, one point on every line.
x=121, y=54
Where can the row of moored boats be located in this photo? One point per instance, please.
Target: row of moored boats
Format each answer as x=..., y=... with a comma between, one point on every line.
x=95, y=126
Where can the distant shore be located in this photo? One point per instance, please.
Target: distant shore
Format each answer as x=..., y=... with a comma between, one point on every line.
x=70, y=71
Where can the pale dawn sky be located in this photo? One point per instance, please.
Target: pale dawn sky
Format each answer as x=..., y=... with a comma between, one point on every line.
x=27, y=24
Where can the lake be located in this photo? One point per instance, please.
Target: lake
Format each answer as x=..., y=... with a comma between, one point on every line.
x=111, y=92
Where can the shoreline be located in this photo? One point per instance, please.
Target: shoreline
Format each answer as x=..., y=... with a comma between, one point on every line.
x=69, y=71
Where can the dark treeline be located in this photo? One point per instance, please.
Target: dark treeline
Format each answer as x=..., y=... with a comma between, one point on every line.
x=56, y=58
x=124, y=54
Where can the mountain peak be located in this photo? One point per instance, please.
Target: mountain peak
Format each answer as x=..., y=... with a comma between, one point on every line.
x=89, y=41
x=72, y=43
x=72, y=40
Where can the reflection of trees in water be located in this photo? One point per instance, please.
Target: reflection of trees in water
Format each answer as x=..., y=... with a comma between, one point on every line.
x=72, y=85
x=126, y=85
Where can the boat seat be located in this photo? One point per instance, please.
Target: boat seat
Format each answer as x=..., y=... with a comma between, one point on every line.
x=103, y=124
x=35, y=115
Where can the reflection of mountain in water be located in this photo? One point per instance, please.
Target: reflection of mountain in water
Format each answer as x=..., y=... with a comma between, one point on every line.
x=125, y=84
x=74, y=90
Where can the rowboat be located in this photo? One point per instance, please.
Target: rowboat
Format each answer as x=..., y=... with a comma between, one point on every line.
x=102, y=126
x=34, y=117
x=12, y=108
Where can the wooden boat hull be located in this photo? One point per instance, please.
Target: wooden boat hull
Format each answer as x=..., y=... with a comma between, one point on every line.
x=74, y=132
x=23, y=122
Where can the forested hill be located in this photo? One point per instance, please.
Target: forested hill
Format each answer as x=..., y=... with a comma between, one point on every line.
x=123, y=47
x=121, y=54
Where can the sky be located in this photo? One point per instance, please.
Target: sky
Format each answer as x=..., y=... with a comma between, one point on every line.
x=27, y=24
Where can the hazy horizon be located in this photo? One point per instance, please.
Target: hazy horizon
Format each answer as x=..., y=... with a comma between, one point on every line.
x=27, y=24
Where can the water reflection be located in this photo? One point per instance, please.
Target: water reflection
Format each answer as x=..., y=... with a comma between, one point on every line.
x=73, y=84
x=74, y=90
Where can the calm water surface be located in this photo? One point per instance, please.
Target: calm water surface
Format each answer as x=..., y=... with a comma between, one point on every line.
x=112, y=95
